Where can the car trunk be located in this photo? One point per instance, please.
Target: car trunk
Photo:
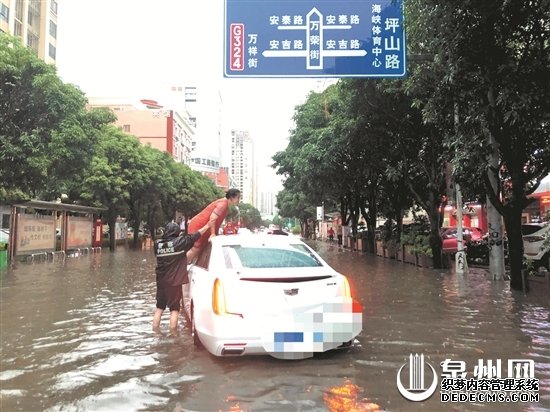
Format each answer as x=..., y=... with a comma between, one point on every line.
x=269, y=292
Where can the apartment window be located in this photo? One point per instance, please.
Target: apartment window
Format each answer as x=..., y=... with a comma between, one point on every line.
x=33, y=17
x=4, y=12
x=126, y=128
x=19, y=10
x=53, y=29
x=52, y=51
x=18, y=29
x=53, y=7
x=32, y=41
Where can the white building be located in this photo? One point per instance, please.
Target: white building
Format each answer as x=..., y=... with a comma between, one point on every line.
x=243, y=167
x=35, y=22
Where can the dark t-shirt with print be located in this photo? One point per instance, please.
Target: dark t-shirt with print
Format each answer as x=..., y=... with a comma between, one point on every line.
x=171, y=267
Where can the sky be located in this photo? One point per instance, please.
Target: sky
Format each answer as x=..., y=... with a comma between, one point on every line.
x=139, y=49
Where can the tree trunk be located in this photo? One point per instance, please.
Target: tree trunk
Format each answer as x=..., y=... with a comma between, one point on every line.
x=305, y=228
x=370, y=217
x=136, y=236
x=399, y=223
x=512, y=221
x=435, y=241
x=112, y=234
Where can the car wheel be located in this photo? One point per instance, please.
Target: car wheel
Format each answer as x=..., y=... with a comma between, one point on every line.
x=194, y=335
x=544, y=262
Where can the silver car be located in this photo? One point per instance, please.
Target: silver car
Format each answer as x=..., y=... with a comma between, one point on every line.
x=534, y=246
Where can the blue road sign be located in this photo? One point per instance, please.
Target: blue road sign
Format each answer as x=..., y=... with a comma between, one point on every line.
x=314, y=38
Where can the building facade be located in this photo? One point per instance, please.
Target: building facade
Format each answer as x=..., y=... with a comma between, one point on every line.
x=35, y=22
x=166, y=130
x=210, y=167
x=268, y=200
x=243, y=170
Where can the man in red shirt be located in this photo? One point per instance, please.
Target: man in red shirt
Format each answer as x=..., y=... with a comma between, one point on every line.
x=330, y=234
x=214, y=212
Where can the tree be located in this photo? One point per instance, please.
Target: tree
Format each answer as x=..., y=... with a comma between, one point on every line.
x=501, y=89
x=37, y=111
x=148, y=185
x=110, y=176
x=295, y=204
x=246, y=214
x=71, y=151
x=193, y=191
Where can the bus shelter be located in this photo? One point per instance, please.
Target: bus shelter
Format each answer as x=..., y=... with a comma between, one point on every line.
x=41, y=228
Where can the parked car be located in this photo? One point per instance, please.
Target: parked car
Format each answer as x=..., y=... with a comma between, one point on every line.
x=450, y=237
x=534, y=235
x=258, y=295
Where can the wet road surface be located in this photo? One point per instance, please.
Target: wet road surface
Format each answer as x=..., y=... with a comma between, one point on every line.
x=76, y=336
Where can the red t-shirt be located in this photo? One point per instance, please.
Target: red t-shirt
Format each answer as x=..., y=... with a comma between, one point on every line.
x=220, y=207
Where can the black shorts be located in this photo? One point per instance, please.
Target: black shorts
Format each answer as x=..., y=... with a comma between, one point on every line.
x=169, y=296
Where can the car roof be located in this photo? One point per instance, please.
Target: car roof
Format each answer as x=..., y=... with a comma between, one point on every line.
x=256, y=239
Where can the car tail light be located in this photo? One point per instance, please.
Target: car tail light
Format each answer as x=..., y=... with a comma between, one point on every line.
x=346, y=288
x=218, y=298
x=533, y=239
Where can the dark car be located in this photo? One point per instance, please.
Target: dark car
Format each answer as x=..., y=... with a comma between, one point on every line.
x=277, y=232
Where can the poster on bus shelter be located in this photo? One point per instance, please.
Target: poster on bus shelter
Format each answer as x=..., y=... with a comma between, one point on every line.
x=79, y=232
x=36, y=233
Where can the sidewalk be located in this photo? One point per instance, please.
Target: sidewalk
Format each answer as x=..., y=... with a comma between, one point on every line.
x=535, y=281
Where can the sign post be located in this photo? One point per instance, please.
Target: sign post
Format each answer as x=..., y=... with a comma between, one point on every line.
x=314, y=38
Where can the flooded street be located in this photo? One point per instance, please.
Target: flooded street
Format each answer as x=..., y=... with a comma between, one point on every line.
x=76, y=336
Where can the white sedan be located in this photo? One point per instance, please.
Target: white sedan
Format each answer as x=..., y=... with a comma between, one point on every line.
x=262, y=294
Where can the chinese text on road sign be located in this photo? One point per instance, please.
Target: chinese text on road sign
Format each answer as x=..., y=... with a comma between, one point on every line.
x=308, y=38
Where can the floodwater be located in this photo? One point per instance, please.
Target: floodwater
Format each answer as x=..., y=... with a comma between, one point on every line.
x=76, y=336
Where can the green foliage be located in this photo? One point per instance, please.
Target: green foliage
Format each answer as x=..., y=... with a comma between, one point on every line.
x=249, y=216
x=51, y=145
x=37, y=110
x=420, y=243
x=295, y=230
x=489, y=64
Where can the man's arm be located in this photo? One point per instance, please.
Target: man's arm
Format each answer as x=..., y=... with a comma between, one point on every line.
x=212, y=223
x=190, y=239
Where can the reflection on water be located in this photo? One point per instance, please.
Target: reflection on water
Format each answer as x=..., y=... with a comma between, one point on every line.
x=347, y=397
x=76, y=336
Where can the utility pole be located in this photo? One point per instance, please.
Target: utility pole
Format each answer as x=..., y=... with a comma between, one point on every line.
x=496, y=244
x=460, y=257
x=461, y=266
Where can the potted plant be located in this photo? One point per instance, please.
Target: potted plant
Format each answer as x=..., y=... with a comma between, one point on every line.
x=407, y=240
x=392, y=247
x=423, y=251
x=379, y=247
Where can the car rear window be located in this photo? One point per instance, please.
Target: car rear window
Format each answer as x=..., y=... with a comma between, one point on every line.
x=238, y=256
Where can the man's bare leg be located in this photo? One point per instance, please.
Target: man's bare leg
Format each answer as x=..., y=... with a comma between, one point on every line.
x=186, y=299
x=156, y=318
x=174, y=315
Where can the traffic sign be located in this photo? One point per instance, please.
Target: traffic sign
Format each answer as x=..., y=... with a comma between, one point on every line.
x=314, y=38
